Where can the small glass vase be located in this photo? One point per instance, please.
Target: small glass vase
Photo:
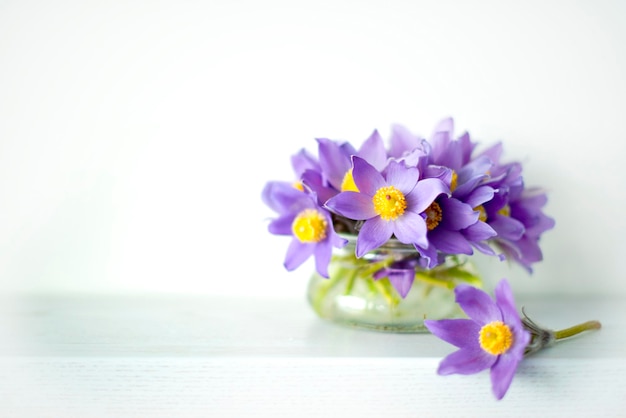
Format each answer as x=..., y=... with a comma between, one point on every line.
x=352, y=297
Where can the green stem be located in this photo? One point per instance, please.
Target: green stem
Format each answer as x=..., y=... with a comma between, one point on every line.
x=577, y=329
x=351, y=280
x=323, y=290
x=384, y=287
x=434, y=281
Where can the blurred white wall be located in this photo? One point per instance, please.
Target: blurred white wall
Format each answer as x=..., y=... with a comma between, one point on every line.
x=136, y=136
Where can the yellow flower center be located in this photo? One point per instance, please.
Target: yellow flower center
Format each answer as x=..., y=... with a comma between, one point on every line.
x=309, y=226
x=495, y=338
x=482, y=213
x=453, y=181
x=433, y=215
x=389, y=203
x=348, y=184
x=298, y=185
x=506, y=211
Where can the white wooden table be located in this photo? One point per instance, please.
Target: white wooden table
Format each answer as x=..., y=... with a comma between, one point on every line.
x=201, y=356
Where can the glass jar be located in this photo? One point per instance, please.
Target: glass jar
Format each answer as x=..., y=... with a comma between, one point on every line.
x=352, y=296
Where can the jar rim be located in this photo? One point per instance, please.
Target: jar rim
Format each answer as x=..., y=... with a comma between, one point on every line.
x=391, y=244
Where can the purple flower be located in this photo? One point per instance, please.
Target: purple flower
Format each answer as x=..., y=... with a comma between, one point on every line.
x=390, y=204
x=525, y=208
x=515, y=212
x=492, y=338
x=401, y=274
x=446, y=218
x=334, y=172
x=336, y=163
x=403, y=143
x=303, y=161
x=456, y=223
x=447, y=151
x=309, y=224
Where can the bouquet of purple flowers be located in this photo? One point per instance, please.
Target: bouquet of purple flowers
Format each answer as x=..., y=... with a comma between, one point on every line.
x=439, y=195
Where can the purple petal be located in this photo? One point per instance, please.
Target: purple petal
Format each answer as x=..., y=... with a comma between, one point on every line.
x=373, y=151
x=366, y=177
x=451, y=242
x=444, y=125
x=510, y=251
x=280, y=196
x=282, y=225
x=453, y=157
x=347, y=149
x=429, y=253
x=438, y=172
x=466, y=361
x=410, y=228
x=425, y=193
x=414, y=158
x=402, y=280
x=502, y=373
x=456, y=214
x=530, y=250
x=304, y=160
x=479, y=167
x=441, y=136
x=480, y=231
x=374, y=233
x=521, y=339
x=477, y=304
x=523, y=210
x=402, y=141
x=507, y=228
x=466, y=147
x=534, y=199
x=353, y=205
x=297, y=253
x=458, y=332
x=506, y=303
x=313, y=180
x=528, y=211
x=401, y=177
x=465, y=187
x=336, y=241
x=334, y=161
x=441, y=139
x=479, y=196
x=494, y=152
x=541, y=224
x=323, y=253
x=484, y=248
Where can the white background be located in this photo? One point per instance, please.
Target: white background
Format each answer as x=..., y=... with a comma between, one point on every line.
x=136, y=136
